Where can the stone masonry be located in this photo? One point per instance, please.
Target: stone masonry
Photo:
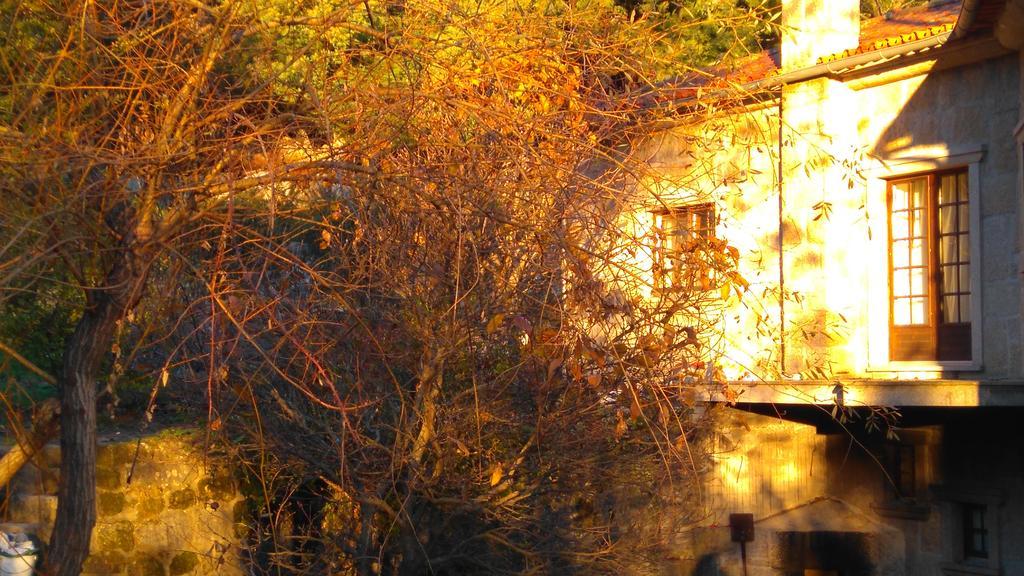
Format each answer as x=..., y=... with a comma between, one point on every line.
x=179, y=515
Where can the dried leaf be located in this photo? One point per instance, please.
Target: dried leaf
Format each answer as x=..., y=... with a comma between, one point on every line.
x=496, y=473
x=634, y=410
x=690, y=397
x=216, y=424
x=523, y=324
x=553, y=366
x=594, y=379
x=680, y=442
x=724, y=290
x=495, y=323
x=576, y=371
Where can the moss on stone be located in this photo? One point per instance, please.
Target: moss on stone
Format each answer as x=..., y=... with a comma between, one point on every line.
x=115, y=536
x=104, y=562
x=110, y=503
x=150, y=506
x=181, y=499
x=115, y=455
x=219, y=487
x=183, y=563
x=108, y=479
x=147, y=566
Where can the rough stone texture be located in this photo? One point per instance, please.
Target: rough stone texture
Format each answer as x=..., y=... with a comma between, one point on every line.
x=842, y=142
x=762, y=465
x=184, y=563
x=148, y=566
x=181, y=499
x=110, y=503
x=960, y=460
x=157, y=525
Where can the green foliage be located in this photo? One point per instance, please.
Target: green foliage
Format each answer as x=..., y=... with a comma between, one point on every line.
x=708, y=31
x=37, y=325
x=873, y=8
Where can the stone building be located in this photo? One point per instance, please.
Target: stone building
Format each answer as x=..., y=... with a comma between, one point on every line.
x=871, y=177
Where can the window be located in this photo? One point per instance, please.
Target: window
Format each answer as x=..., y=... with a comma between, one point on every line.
x=901, y=467
x=974, y=531
x=929, y=267
x=908, y=471
x=683, y=237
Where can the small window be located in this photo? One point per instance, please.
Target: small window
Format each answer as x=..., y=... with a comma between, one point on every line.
x=683, y=238
x=901, y=467
x=975, y=531
x=929, y=267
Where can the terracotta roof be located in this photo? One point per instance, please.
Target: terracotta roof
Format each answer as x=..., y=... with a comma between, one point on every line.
x=901, y=27
x=895, y=28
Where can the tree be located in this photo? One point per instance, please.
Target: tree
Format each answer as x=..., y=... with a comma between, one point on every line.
x=124, y=135
x=392, y=231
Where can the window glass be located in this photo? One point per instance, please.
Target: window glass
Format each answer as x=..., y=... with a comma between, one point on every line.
x=975, y=532
x=929, y=261
x=684, y=236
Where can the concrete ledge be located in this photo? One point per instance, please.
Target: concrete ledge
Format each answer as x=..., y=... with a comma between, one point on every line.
x=938, y=393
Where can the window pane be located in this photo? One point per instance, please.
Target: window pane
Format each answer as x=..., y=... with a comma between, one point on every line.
x=901, y=283
x=947, y=219
x=900, y=253
x=964, y=224
x=704, y=224
x=965, y=248
x=681, y=260
x=917, y=191
x=947, y=249
x=965, y=278
x=965, y=308
x=918, y=222
x=949, y=279
x=917, y=252
x=899, y=196
x=917, y=281
x=950, y=311
x=962, y=180
x=900, y=224
x=947, y=189
x=918, y=310
x=901, y=312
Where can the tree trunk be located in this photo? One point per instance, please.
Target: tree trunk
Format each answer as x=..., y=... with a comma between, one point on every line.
x=83, y=357
x=367, y=559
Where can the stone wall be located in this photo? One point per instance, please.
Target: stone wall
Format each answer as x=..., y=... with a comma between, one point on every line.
x=850, y=495
x=179, y=514
x=842, y=142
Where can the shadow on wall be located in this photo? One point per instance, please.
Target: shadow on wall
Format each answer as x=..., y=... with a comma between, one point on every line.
x=708, y=565
x=948, y=115
x=797, y=553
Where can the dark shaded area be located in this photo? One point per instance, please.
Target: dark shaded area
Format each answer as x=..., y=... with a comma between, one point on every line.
x=846, y=553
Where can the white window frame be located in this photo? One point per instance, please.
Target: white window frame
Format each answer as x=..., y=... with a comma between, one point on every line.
x=878, y=280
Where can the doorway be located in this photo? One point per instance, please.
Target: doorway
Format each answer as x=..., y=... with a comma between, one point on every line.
x=825, y=554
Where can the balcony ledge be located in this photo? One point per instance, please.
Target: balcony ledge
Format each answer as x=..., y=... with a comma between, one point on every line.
x=889, y=392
